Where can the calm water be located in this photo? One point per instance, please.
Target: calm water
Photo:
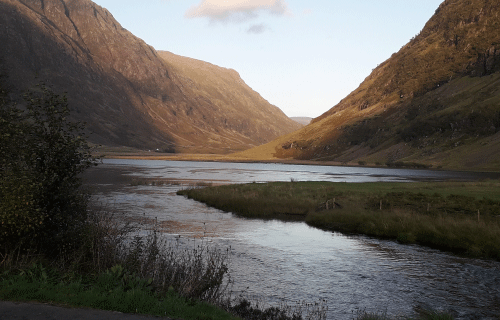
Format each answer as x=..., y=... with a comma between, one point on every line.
x=294, y=261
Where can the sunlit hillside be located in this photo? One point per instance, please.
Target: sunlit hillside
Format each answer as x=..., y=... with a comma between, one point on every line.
x=129, y=94
x=436, y=102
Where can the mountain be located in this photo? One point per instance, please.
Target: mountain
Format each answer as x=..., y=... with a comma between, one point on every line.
x=128, y=93
x=226, y=103
x=435, y=102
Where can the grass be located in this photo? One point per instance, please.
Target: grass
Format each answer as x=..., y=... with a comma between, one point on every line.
x=461, y=217
x=123, y=267
x=134, y=269
x=113, y=290
x=122, y=270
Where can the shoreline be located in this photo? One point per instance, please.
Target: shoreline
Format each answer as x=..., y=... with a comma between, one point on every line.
x=228, y=159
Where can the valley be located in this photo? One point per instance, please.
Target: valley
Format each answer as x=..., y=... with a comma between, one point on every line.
x=435, y=103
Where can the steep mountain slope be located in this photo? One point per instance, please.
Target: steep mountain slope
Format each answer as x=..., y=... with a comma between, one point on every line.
x=232, y=106
x=124, y=89
x=436, y=101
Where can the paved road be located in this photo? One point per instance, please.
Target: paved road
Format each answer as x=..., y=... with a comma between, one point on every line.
x=41, y=311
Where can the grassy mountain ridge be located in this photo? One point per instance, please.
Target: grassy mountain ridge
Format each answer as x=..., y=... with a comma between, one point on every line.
x=123, y=88
x=436, y=101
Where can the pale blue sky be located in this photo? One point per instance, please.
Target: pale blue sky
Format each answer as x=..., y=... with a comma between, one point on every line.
x=302, y=56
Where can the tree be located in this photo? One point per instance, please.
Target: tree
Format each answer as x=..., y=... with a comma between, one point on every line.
x=42, y=155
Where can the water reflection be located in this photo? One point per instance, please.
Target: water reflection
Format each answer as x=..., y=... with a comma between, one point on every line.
x=291, y=260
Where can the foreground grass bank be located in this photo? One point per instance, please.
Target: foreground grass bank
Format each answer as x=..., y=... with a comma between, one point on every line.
x=461, y=217
x=116, y=290
x=113, y=290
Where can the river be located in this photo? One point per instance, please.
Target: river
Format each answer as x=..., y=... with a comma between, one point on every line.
x=272, y=260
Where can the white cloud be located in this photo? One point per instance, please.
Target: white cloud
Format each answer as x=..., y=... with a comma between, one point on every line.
x=237, y=10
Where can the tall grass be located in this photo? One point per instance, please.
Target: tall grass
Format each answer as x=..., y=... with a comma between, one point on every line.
x=129, y=266
x=198, y=272
x=115, y=289
x=460, y=234
x=459, y=217
x=122, y=250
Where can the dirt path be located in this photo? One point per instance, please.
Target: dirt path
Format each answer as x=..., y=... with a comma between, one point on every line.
x=41, y=311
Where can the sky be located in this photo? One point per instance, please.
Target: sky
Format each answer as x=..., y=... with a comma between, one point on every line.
x=302, y=56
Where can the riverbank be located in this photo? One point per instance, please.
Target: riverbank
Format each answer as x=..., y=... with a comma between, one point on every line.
x=145, y=192
x=131, y=153
x=461, y=217
x=123, y=153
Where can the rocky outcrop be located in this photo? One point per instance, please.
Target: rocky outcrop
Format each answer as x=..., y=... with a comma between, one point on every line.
x=487, y=63
x=125, y=91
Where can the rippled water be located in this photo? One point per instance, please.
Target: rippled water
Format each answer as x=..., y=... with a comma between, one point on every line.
x=294, y=261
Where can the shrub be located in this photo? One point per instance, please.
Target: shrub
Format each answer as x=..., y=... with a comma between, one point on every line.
x=41, y=157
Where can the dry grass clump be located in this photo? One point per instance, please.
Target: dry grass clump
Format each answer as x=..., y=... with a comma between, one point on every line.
x=198, y=273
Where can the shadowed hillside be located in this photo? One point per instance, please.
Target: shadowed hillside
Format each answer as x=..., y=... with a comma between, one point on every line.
x=436, y=101
x=124, y=89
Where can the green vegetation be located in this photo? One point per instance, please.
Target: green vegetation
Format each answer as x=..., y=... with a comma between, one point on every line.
x=460, y=217
x=41, y=157
x=55, y=248
x=114, y=290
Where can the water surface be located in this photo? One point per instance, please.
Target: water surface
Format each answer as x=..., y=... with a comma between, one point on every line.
x=272, y=259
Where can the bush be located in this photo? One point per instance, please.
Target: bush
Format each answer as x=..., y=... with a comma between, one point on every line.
x=41, y=157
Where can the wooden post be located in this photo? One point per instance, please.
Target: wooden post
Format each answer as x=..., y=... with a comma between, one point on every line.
x=326, y=204
x=428, y=206
x=478, y=215
x=380, y=204
x=333, y=203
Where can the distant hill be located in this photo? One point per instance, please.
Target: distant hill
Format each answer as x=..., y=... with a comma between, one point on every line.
x=302, y=120
x=127, y=92
x=435, y=102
